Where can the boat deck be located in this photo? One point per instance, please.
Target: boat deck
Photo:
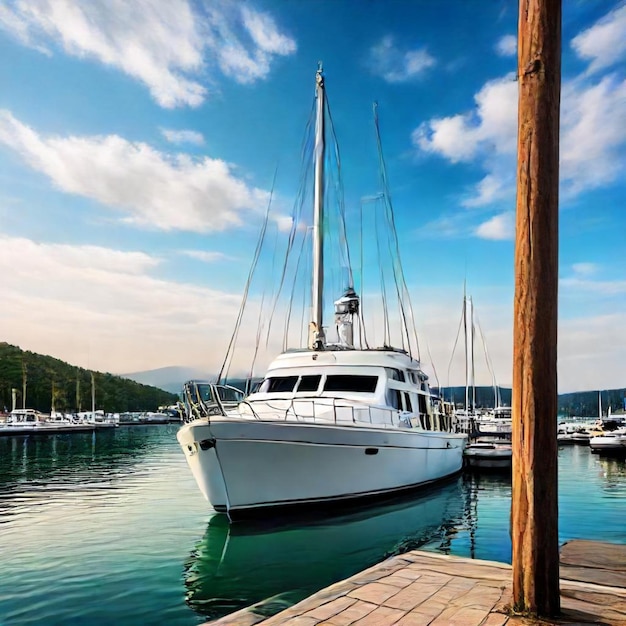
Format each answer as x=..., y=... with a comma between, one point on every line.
x=419, y=588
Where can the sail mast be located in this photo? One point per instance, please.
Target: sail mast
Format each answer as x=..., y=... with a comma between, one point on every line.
x=316, y=336
x=93, y=397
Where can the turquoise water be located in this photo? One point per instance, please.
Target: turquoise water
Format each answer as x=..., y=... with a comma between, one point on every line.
x=109, y=528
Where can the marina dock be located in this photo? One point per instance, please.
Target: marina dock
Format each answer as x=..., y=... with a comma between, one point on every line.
x=420, y=588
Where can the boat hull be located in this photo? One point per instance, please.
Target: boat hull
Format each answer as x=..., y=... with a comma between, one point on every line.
x=248, y=465
x=609, y=444
x=488, y=457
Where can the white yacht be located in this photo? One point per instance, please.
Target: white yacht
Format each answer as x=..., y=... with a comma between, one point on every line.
x=25, y=419
x=611, y=439
x=331, y=422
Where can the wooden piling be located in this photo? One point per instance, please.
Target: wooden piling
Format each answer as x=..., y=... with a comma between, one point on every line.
x=534, y=510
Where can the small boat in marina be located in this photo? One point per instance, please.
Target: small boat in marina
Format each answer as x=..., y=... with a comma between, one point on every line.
x=30, y=421
x=330, y=422
x=488, y=455
x=496, y=422
x=609, y=443
x=573, y=434
x=611, y=439
x=612, y=436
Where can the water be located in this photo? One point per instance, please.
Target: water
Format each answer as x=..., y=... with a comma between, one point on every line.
x=109, y=528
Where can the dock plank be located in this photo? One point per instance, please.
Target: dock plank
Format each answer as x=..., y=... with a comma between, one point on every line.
x=425, y=588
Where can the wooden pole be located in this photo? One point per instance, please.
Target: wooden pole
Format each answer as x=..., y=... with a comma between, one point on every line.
x=534, y=510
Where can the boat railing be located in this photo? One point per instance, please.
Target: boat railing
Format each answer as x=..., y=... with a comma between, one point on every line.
x=321, y=409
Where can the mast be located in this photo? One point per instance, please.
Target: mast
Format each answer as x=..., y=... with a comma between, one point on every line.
x=24, y=379
x=466, y=352
x=468, y=327
x=77, y=394
x=93, y=397
x=600, y=405
x=473, y=365
x=316, y=335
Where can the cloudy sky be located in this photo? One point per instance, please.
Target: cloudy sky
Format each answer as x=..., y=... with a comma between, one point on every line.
x=140, y=141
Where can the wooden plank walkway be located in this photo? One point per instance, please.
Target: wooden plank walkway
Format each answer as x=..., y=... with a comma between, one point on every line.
x=426, y=588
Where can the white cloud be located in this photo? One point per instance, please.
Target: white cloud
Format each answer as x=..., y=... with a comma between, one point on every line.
x=183, y=136
x=491, y=188
x=105, y=309
x=149, y=188
x=582, y=284
x=498, y=228
x=164, y=45
x=205, y=256
x=507, y=46
x=237, y=59
x=604, y=44
x=591, y=352
x=490, y=129
x=593, y=126
x=593, y=135
x=264, y=33
x=396, y=65
x=584, y=269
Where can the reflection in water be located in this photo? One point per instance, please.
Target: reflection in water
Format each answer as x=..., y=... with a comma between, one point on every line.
x=37, y=471
x=109, y=529
x=613, y=472
x=487, y=497
x=234, y=566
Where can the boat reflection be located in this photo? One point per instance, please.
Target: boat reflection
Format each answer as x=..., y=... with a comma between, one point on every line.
x=279, y=563
x=613, y=472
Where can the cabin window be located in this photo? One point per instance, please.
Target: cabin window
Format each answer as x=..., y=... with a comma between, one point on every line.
x=395, y=374
x=278, y=384
x=407, y=402
x=309, y=383
x=230, y=395
x=421, y=400
x=394, y=398
x=344, y=382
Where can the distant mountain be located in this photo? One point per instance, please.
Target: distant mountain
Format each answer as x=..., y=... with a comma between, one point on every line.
x=49, y=381
x=581, y=403
x=168, y=378
x=578, y=403
x=484, y=396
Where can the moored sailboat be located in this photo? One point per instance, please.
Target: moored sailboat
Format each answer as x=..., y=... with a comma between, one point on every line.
x=330, y=422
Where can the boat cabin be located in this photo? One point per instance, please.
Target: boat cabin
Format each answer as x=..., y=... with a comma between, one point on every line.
x=381, y=386
x=25, y=417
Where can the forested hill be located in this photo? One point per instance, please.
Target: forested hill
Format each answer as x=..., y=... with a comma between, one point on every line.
x=579, y=403
x=71, y=385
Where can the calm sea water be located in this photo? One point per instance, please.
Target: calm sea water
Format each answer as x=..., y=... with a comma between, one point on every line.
x=109, y=528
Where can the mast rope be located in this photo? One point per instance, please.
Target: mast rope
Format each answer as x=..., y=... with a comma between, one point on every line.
x=257, y=252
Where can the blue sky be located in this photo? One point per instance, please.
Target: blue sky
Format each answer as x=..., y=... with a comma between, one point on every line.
x=139, y=140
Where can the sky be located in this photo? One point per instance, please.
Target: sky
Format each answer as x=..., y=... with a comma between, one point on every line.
x=141, y=142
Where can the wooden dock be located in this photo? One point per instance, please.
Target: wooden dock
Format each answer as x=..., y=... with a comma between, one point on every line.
x=426, y=588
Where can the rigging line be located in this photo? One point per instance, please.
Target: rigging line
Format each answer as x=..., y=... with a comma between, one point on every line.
x=488, y=359
x=362, y=329
x=341, y=200
x=306, y=293
x=291, y=295
x=393, y=226
x=432, y=362
x=257, y=340
x=386, y=329
x=299, y=201
x=391, y=231
x=458, y=333
x=244, y=299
